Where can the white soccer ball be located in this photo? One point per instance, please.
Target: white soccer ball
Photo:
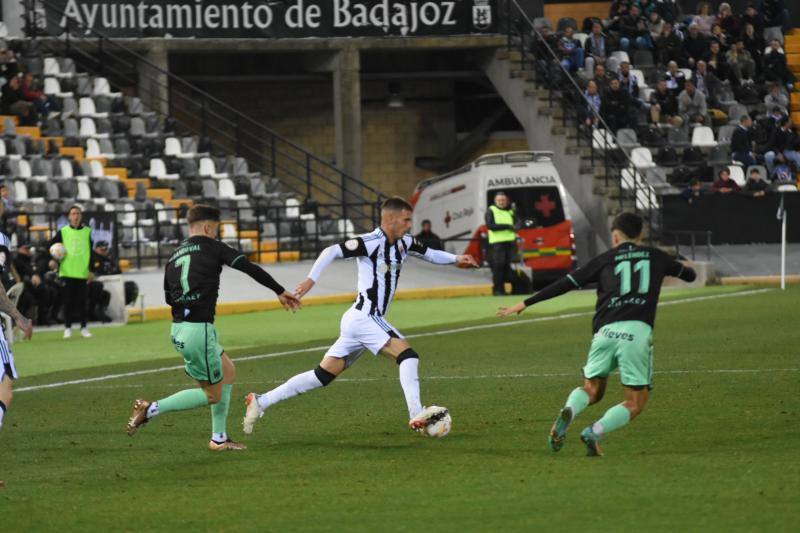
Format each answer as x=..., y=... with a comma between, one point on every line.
x=441, y=426
x=58, y=251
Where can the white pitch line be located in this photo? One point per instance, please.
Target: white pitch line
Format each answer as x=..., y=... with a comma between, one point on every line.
x=418, y=335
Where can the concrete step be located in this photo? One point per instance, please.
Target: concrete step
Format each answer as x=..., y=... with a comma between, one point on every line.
x=583, y=151
x=570, y=131
x=523, y=74
x=615, y=207
x=595, y=171
x=541, y=94
x=506, y=54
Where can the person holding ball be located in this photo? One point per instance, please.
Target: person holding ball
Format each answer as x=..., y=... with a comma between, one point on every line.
x=76, y=240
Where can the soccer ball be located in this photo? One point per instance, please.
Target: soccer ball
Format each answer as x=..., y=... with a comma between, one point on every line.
x=442, y=422
x=58, y=251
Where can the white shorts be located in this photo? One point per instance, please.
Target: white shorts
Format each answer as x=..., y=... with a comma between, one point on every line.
x=6, y=359
x=358, y=331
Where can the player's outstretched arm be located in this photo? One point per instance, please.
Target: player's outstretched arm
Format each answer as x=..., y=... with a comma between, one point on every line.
x=557, y=288
x=289, y=301
x=8, y=307
x=328, y=256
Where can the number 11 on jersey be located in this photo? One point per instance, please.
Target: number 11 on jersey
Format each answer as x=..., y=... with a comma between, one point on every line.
x=623, y=270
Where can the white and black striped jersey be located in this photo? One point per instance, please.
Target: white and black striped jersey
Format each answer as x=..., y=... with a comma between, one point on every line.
x=379, y=264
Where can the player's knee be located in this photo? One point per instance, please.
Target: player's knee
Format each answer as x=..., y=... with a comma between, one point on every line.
x=324, y=376
x=408, y=353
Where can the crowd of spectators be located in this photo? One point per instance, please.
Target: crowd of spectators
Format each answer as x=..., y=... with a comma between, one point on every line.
x=701, y=69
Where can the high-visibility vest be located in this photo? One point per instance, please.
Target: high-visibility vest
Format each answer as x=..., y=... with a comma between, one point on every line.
x=77, y=244
x=502, y=216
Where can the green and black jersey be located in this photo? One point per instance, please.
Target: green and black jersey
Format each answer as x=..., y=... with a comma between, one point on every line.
x=628, y=281
x=191, y=277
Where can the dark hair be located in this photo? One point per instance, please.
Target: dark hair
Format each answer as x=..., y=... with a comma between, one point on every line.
x=75, y=206
x=426, y=221
x=743, y=118
x=723, y=169
x=201, y=212
x=395, y=203
x=629, y=224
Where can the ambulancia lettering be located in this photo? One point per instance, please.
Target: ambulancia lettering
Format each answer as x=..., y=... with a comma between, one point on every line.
x=520, y=181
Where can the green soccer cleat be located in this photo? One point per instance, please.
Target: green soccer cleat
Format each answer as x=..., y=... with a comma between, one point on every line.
x=558, y=433
x=592, y=442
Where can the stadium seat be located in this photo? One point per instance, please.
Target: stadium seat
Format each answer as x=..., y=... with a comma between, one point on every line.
x=86, y=108
x=678, y=137
x=158, y=170
x=89, y=129
x=621, y=56
x=210, y=189
x=735, y=113
x=725, y=133
x=51, y=67
x=720, y=155
x=292, y=208
x=762, y=171
x=639, y=77
x=227, y=191
x=83, y=87
x=208, y=169
x=627, y=138
x=102, y=88
x=603, y=140
x=642, y=158
x=667, y=157
x=580, y=37
x=737, y=174
x=703, y=137
x=92, y=148
x=643, y=58
x=242, y=169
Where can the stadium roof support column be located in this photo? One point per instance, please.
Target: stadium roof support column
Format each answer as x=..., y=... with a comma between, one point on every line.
x=347, y=111
x=153, y=84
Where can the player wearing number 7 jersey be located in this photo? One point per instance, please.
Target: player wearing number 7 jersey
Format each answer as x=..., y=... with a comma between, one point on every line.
x=191, y=286
x=628, y=281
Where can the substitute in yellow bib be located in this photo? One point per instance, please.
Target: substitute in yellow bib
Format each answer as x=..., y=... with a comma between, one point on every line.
x=500, y=220
x=74, y=269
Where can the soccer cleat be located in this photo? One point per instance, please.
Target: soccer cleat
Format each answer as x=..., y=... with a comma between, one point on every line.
x=85, y=333
x=426, y=417
x=67, y=333
x=592, y=442
x=138, y=417
x=558, y=433
x=252, y=412
x=225, y=446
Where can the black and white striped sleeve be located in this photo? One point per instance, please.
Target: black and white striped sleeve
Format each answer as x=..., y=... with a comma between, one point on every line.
x=437, y=257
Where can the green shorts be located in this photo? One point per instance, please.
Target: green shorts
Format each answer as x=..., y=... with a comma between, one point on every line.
x=627, y=345
x=197, y=343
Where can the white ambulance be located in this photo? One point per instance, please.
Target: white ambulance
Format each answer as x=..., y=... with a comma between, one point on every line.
x=456, y=205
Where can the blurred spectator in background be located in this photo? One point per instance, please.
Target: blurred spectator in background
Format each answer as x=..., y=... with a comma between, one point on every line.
x=597, y=48
x=695, y=45
x=668, y=45
x=782, y=147
x=724, y=184
x=753, y=17
x=14, y=102
x=706, y=82
x=628, y=81
x=755, y=185
x=777, y=98
x=37, y=299
x=774, y=16
x=704, y=18
x=742, y=142
x=692, y=104
x=729, y=22
x=427, y=237
x=592, y=109
x=715, y=59
x=664, y=106
x=754, y=43
x=98, y=297
x=693, y=191
x=33, y=93
x=570, y=51
x=741, y=63
x=633, y=30
x=775, y=68
x=8, y=61
x=675, y=78
x=616, y=106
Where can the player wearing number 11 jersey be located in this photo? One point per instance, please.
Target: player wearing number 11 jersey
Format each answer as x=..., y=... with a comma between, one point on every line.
x=628, y=281
x=191, y=286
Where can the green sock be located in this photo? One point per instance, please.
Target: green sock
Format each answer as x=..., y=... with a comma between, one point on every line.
x=615, y=418
x=180, y=401
x=578, y=400
x=219, y=411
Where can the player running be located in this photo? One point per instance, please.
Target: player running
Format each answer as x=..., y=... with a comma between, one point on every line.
x=191, y=286
x=380, y=256
x=628, y=281
x=8, y=372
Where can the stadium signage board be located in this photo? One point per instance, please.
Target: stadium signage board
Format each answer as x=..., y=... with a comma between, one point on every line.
x=273, y=19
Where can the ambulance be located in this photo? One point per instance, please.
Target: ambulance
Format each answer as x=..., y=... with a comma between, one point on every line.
x=456, y=205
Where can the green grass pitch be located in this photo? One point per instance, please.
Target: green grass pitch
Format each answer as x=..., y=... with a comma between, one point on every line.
x=715, y=450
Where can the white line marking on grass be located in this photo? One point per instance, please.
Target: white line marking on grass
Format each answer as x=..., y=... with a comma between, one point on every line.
x=418, y=335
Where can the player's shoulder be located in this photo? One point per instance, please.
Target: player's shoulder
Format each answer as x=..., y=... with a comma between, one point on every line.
x=375, y=235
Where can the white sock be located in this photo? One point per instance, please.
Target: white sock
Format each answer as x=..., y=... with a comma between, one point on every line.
x=298, y=384
x=219, y=437
x=152, y=410
x=409, y=380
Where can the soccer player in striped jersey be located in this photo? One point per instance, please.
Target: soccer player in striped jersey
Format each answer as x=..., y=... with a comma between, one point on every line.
x=380, y=256
x=8, y=372
x=628, y=279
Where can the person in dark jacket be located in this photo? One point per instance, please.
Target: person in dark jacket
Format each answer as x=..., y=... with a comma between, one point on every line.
x=724, y=184
x=37, y=295
x=755, y=185
x=668, y=45
x=427, y=237
x=775, y=68
x=782, y=146
x=616, y=106
x=14, y=102
x=664, y=106
x=742, y=142
x=695, y=45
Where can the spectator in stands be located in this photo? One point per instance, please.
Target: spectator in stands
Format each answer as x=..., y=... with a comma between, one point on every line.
x=570, y=51
x=704, y=19
x=618, y=9
x=669, y=10
x=743, y=68
x=782, y=147
x=655, y=25
x=692, y=104
x=675, y=78
x=428, y=238
x=14, y=103
x=98, y=297
x=589, y=113
x=753, y=17
x=693, y=191
x=627, y=80
x=695, y=45
x=755, y=185
x=616, y=106
x=8, y=61
x=597, y=48
x=37, y=298
x=539, y=49
x=742, y=142
x=729, y=22
x=719, y=36
x=776, y=115
x=724, y=184
x=706, y=82
x=633, y=30
x=5, y=197
x=43, y=103
x=668, y=45
x=775, y=68
x=74, y=269
x=774, y=16
x=647, y=7
x=754, y=43
x=716, y=62
x=777, y=98
x=664, y=106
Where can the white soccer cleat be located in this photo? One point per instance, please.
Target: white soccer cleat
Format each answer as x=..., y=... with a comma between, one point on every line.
x=426, y=417
x=252, y=412
x=67, y=333
x=85, y=333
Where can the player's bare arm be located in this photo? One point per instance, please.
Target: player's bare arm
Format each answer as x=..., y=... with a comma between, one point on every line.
x=466, y=261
